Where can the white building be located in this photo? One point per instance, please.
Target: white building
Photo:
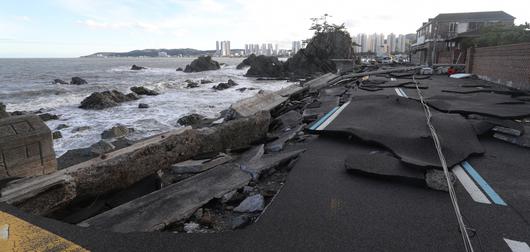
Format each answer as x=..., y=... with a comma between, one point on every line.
x=297, y=45
x=225, y=48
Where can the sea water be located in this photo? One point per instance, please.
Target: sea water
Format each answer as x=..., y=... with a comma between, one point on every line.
x=26, y=85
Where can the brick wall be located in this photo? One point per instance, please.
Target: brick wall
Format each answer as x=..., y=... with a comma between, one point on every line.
x=445, y=57
x=506, y=64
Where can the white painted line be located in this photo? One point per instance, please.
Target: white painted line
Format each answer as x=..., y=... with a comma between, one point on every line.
x=398, y=92
x=517, y=246
x=332, y=117
x=403, y=92
x=470, y=186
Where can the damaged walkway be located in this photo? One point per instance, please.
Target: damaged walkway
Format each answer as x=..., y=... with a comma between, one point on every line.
x=322, y=207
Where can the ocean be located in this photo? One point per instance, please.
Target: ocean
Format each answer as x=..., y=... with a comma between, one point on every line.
x=26, y=85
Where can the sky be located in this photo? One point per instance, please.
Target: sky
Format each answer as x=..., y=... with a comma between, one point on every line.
x=72, y=28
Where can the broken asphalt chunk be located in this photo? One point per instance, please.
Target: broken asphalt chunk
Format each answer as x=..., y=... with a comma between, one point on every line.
x=399, y=124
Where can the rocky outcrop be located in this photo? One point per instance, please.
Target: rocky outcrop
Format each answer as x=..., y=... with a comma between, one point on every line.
x=263, y=66
x=316, y=57
x=143, y=105
x=143, y=91
x=106, y=99
x=3, y=112
x=179, y=69
x=225, y=85
x=203, y=63
x=136, y=68
x=78, y=81
x=59, y=81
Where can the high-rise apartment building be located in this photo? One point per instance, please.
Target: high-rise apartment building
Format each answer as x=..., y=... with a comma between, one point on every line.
x=224, y=48
x=297, y=45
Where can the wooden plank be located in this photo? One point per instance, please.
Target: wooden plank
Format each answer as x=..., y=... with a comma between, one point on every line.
x=171, y=204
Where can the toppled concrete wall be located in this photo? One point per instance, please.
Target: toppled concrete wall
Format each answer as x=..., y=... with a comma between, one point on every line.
x=26, y=147
x=122, y=168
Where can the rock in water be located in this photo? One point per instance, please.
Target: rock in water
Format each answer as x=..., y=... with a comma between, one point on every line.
x=106, y=99
x=78, y=81
x=102, y=147
x=59, y=81
x=263, y=66
x=251, y=204
x=143, y=91
x=3, y=112
x=143, y=105
x=179, y=69
x=206, y=81
x=203, y=63
x=57, y=135
x=115, y=132
x=79, y=129
x=192, y=84
x=191, y=119
x=48, y=117
x=135, y=67
x=62, y=126
x=223, y=85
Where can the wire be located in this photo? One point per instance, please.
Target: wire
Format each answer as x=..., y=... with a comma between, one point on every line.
x=463, y=231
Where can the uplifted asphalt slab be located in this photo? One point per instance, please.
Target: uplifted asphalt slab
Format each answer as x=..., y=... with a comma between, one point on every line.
x=399, y=124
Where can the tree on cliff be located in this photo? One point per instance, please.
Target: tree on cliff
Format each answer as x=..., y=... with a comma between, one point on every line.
x=330, y=41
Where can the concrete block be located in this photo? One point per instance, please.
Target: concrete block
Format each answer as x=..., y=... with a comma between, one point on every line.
x=26, y=147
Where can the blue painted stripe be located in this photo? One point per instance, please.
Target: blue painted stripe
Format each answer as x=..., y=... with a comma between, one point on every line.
x=323, y=119
x=483, y=184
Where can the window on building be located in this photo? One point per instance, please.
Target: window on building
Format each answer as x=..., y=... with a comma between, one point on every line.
x=452, y=27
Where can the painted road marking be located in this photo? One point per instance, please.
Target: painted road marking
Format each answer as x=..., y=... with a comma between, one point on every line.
x=326, y=116
x=398, y=92
x=332, y=117
x=469, y=185
x=517, y=246
x=483, y=184
x=19, y=235
x=403, y=92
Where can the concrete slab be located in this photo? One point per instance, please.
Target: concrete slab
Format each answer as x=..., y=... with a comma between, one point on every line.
x=173, y=203
x=26, y=147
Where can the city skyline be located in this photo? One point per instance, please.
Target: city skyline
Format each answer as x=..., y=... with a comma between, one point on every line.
x=379, y=43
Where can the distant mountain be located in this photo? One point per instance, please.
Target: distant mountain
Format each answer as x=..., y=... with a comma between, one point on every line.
x=184, y=52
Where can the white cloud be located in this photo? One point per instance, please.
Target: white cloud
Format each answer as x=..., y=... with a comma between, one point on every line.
x=23, y=18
